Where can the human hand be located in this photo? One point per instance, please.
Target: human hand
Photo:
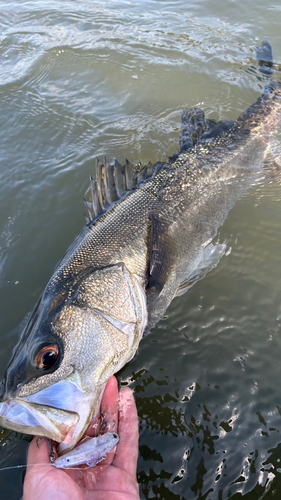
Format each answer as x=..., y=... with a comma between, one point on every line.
x=112, y=479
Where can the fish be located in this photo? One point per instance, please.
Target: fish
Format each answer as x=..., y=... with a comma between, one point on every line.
x=149, y=236
x=89, y=452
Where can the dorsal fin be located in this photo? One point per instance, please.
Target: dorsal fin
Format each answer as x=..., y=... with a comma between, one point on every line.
x=193, y=124
x=112, y=182
x=264, y=58
x=119, y=178
x=95, y=199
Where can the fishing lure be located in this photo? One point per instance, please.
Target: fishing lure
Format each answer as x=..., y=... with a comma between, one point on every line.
x=90, y=452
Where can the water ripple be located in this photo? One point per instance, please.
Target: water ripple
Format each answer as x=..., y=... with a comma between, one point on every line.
x=84, y=79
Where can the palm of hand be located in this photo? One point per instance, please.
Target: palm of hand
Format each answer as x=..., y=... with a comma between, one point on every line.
x=114, y=478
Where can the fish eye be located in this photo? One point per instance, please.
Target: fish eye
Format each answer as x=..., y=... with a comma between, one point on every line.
x=115, y=435
x=47, y=356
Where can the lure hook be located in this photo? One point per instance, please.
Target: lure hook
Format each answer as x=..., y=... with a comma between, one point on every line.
x=105, y=423
x=52, y=453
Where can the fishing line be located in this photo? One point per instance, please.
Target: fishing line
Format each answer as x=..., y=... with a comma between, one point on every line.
x=44, y=463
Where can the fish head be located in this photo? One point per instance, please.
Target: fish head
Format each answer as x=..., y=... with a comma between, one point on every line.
x=82, y=331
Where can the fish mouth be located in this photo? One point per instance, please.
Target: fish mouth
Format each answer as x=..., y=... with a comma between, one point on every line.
x=60, y=412
x=31, y=418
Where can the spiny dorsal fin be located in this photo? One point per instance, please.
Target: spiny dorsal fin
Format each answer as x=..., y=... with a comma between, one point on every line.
x=130, y=175
x=95, y=198
x=101, y=183
x=119, y=178
x=90, y=209
x=145, y=172
x=112, y=182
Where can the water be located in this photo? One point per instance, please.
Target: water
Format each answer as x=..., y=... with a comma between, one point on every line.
x=81, y=79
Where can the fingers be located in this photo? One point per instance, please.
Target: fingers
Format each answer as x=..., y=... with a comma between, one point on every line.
x=108, y=411
x=127, y=451
x=109, y=406
x=108, y=420
x=43, y=481
x=39, y=466
x=38, y=454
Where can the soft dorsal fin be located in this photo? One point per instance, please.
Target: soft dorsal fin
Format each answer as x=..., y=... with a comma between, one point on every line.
x=265, y=58
x=112, y=182
x=193, y=125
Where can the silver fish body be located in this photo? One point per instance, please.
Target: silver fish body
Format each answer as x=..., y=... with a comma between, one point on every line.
x=148, y=238
x=89, y=452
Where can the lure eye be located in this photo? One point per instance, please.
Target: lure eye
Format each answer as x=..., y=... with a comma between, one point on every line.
x=47, y=357
x=115, y=435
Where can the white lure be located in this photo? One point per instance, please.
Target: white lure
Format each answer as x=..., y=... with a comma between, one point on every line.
x=91, y=451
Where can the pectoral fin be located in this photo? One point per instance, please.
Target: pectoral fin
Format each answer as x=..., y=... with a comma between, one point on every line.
x=159, y=253
x=95, y=461
x=206, y=262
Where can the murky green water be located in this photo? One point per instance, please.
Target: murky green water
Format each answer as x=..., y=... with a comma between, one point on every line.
x=81, y=79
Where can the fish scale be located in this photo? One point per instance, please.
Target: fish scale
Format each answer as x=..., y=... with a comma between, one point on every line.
x=148, y=238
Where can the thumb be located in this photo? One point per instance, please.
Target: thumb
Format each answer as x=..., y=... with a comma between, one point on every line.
x=43, y=481
x=38, y=452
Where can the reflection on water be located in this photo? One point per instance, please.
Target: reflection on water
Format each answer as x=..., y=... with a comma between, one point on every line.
x=81, y=79
x=206, y=382
x=193, y=450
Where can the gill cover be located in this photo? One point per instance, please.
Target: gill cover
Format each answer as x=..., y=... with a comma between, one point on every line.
x=76, y=338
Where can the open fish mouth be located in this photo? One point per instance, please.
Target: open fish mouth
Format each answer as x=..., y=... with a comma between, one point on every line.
x=36, y=419
x=60, y=404
x=58, y=412
x=148, y=238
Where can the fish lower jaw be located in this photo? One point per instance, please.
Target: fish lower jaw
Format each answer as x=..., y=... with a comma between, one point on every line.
x=19, y=416
x=86, y=413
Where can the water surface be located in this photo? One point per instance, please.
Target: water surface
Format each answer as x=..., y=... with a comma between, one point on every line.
x=84, y=79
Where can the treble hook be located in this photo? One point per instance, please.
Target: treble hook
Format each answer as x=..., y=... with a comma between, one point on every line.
x=52, y=453
x=104, y=424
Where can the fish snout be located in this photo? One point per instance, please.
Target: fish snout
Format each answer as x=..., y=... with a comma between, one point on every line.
x=30, y=418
